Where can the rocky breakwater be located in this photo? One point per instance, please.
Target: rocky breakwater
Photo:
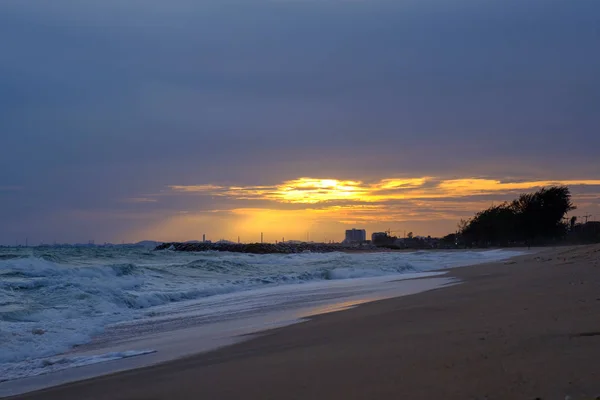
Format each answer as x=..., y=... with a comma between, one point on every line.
x=266, y=248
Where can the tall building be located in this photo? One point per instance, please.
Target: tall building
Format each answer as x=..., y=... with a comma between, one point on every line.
x=356, y=236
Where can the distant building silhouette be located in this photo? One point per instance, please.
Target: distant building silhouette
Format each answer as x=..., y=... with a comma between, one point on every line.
x=379, y=236
x=356, y=236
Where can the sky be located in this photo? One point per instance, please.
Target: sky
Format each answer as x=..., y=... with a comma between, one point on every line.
x=125, y=120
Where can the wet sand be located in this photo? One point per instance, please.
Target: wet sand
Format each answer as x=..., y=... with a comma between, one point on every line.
x=524, y=329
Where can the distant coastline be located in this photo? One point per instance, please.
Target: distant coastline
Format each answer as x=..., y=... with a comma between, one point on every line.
x=270, y=248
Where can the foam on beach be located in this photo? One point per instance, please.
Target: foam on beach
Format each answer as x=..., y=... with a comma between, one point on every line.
x=34, y=367
x=53, y=301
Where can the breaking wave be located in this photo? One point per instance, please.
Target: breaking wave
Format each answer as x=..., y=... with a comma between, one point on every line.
x=59, y=298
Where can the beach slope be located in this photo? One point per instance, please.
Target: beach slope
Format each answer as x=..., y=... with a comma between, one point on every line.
x=524, y=329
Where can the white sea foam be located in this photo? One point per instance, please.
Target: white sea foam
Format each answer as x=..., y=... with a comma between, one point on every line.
x=51, y=301
x=39, y=366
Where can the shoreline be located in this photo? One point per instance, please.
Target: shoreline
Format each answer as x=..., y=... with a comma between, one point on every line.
x=256, y=327
x=166, y=346
x=182, y=329
x=287, y=346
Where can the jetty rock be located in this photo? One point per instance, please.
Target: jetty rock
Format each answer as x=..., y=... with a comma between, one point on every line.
x=266, y=248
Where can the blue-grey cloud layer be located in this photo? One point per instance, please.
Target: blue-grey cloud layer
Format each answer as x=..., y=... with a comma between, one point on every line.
x=103, y=102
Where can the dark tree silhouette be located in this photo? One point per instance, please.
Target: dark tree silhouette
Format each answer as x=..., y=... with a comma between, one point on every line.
x=496, y=225
x=540, y=214
x=572, y=223
x=532, y=217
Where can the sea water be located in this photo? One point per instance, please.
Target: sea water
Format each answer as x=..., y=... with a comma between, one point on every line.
x=68, y=307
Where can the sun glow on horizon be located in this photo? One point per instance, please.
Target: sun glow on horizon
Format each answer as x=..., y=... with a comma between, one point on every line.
x=294, y=207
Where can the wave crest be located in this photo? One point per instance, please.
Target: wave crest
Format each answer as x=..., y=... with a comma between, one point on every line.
x=70, y=295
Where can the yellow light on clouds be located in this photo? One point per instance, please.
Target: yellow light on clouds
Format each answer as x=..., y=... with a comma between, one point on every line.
x=312, y=191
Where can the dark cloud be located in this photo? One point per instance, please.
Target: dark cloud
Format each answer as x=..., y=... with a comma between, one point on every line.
x=112, y=101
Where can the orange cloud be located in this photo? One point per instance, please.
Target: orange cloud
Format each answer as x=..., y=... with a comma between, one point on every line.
x=316, y=190
x=465, y=187
x=197, y=188
x=328, y=206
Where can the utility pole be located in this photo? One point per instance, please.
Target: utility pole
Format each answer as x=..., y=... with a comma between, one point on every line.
x=586, y=217
x=261, y=237
x=238, y=240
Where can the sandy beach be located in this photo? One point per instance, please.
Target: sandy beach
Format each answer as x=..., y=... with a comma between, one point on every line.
x=523, y=329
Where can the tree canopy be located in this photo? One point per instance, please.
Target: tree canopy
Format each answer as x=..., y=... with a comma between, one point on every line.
x=531, y=218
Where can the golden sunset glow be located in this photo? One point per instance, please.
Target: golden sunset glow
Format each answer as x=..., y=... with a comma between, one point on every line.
x=401, y=183
x=295, y=207
x=465, y=187
x=311, y=191
x=315, y=190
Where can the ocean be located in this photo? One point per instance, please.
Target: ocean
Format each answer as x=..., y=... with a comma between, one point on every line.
x=67, y=307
